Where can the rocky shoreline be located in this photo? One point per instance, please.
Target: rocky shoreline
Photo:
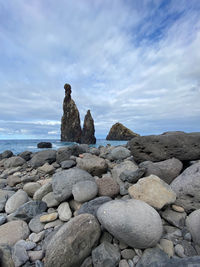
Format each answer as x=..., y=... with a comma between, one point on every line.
x=108, y=206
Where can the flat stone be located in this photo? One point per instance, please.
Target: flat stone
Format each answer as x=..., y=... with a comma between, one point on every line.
x=84, y=191
x=64, y=212
x=53, y=224
x=153, y=191
x=19, y=254
x=107, y=186
x=37, y=237
x=15, y=201
x=31, y=188
x=132, y=176
x=13, y=231
x=50, y=200
x=42, y=191
x=49, y=217
x=175, y=218
x=123, y=263
x=132, y=221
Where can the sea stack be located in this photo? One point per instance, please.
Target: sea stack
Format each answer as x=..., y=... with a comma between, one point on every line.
x=70, y=123
x=119, y=132
x=88, y=130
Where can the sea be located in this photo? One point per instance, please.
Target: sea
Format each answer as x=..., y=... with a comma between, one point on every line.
x=18, y=146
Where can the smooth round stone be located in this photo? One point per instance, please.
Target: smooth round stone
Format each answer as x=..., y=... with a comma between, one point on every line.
x=50, y=200
x=42, y=191
x=84, y=191
x=15, y=201
x=132, y=221
x=31, y=188
x=120, y=153
x=64, y=212
x=107, y=187
x=49, y=217
x=177, y=208
x=35, y=225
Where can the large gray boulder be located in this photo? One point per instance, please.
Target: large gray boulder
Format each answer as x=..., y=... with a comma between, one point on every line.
x=166, y=170
x=64, y=153
x=14, y=162
x=40, y=158
x=131, y=221
x=186, y=187
x=180, y=145
x=73, y=242
x=119, y=132
x=120, y=153
x=63, y=181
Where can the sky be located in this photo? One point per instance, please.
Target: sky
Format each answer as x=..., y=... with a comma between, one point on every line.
x=131, y=61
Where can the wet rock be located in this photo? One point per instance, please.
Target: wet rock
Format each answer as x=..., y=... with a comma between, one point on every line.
x=44, y=145
x=40, y=158
x=6, y=154
x=88, y=130
x=119, y=132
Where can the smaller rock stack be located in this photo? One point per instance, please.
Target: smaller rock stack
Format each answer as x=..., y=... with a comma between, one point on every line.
x=88, y=130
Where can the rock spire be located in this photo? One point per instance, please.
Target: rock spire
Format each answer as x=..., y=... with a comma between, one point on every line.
x=88, y=130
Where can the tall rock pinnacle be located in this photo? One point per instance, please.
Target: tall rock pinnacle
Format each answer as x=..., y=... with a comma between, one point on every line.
x=70, y=123
x=88, y=130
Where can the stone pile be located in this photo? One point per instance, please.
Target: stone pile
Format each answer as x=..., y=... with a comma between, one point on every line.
x=82, y=206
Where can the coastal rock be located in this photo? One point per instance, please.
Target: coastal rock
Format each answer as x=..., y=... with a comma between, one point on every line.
x=175, y=218
x=40, y=158
x=106, y=255
x=120, y=153
x=76, y=238
x=25, y=155
x=180, y=145
x=186, y=186
x=13, y=231
x=193, y=225
x=46, y=169
x=44, y=145
x=132, y=176
x=42, y=191
x=166, y=170
x=6, y=256
x=14, y=162
x=15, y=201
x=70, y=123
x=107, y=186
x=119, y=132
x=64, y=153
x=31, y=188
x=67, y=164
x=64, y=212
x=4, y=195
x=131, y=221
x=84, y=191
x=19, y=254
x=50, y=200
x=88, y=130
x=63, y=182
x=93, y=164
x=49, y=217
x=35, y=225
x=153, y=191
x=13, y=180
x=6, y=154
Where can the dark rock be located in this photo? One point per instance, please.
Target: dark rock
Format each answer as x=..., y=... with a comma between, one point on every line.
x=6, y=256
x=25, y=155
x=175, y=218
x=44, y=145
x=88, y=130
x=183, y=146
x=40, y=158
x=73, y=242
x=64, y=153
x=132, y=176
x=67, y=164
x=92, y=206
x=106, y=255
x=6, y=154
x=119, y=132
x=29, y=210
x=70, y=123
x=87, y=262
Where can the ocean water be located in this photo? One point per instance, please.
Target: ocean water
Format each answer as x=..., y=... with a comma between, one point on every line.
x=18, y=146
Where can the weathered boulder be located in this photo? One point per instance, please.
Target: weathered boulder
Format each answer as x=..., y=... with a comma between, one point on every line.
x=166, y=170
x=15, y=201
x=186, y=187
x=107, y=187
x=44, y=145
x=14, y=162
x=88, y=130
x=63, y=181
x=93, y=164
x=25, y=155
x=119, y=132
x=180, y=145
x=73, y=242
x=70, y=123
x=153, y=191
x=131, y=221
x=84, y=191
x=40, y=158
x=120, y=153
x=64, y=153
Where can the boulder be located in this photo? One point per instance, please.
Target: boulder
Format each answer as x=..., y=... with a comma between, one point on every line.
x=166, y=170
x=119, y=132
x=193, y=225
x=14, y=162
x=107, y=186
x=6, y=154
x=25, y=155
x=88, y=130
x=64, y=153
x=63, y=181
x=76, y=239
x=70, y=123
x=13, y=231
x=120, y=153
x=15, y=201
x=131, y=221
x=93, y=164
x=186, y=187
x=153, y=191
x=40, y=158
x=31, y=188
x=84, y=191
x=46, y=169
x=67, y=164
x=183, y=146
x=44, y=145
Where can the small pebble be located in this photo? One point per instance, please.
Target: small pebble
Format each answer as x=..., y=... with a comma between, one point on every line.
x=177, y=208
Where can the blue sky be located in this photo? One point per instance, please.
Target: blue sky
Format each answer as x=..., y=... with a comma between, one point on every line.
x=133, y=61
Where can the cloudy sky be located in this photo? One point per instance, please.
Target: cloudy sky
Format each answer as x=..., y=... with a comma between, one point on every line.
x=132, y=61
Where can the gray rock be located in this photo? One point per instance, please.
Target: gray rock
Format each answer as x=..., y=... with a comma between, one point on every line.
x=92, y=206
x=185, y=262
x=6, y=154
x=13, y=180
x=189, y=250
x=180, y=145
x=166, y=170
x=107, y=186
x=46, y=169
x=77, y=238
x=84, y=191
x=6, y=256
x=128, y=253
x=87, y=262
x=186, y=186
x=29, y=210
x=13, y=231
x=50, y=200
x=35, y=225
x=88, y=131
x=4, y=195
x=132, y=221
x=67, y=164
x=42, y=191
x=36, y=237
x=64, y=212
x=132, y=176
x=123, y=263
x=36, y=255
x=64, y=153
x=105, y=255
x=193, y=225
x=19, y=254
x=120, y=153
x=25, y=155
x=14, y=162
x=2, y=219
x=31, y=188
x=179, y=250
x=15, y=201
x=63, y=182
x=175, y=218
x=40, y=158
x=38, y=263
